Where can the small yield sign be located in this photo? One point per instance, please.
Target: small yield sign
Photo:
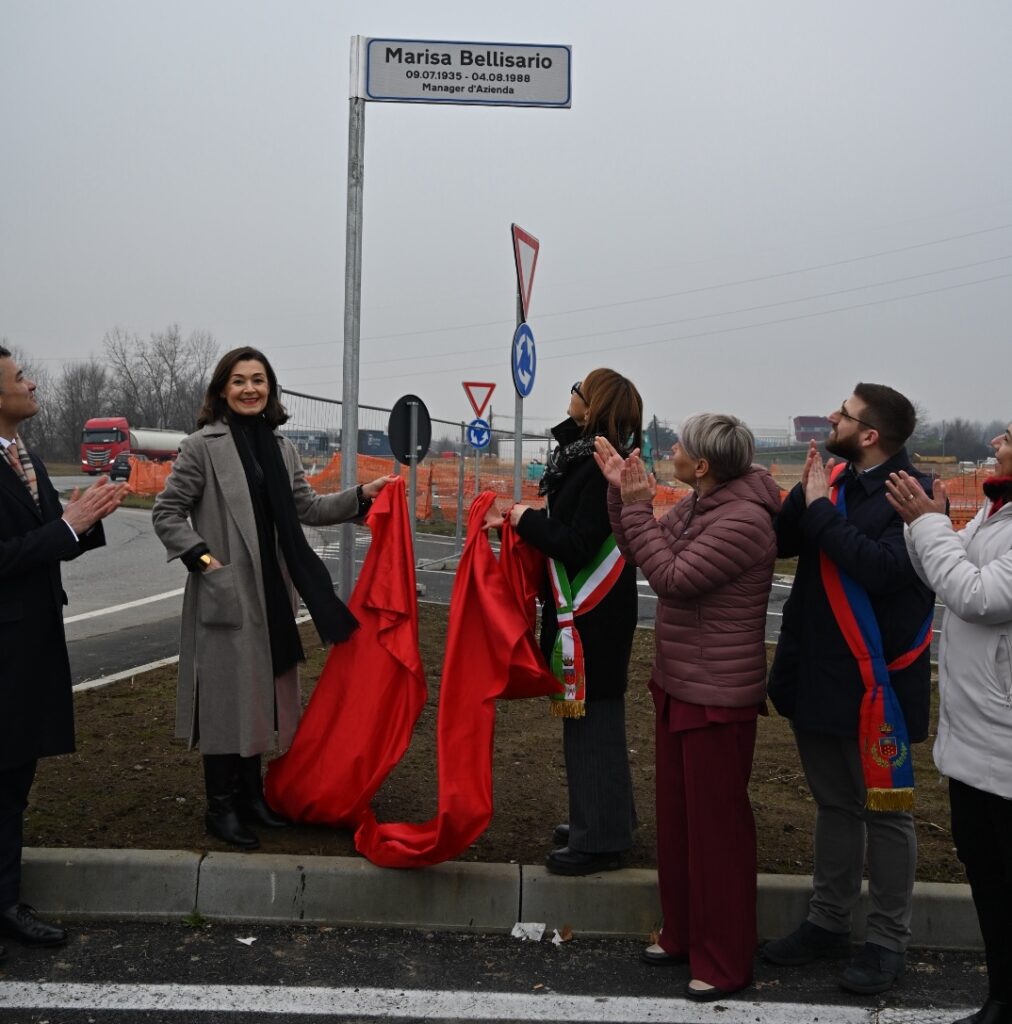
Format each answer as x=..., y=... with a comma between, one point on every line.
x=478, y=394
x=525, y=256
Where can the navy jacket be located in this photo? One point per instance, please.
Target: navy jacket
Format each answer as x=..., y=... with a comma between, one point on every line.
x=36, y=701
x=815, y=680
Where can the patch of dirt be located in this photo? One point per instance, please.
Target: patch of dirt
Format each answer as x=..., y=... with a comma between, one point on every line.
x=132, y=785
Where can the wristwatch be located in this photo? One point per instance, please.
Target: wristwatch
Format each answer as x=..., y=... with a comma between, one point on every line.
x=205, y=562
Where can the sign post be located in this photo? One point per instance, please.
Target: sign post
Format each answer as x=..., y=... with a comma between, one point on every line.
x=478, y=431
x=522, y=357
x=422, y=71
x=410, y=431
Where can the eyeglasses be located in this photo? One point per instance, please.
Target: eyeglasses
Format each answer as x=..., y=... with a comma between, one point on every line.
x=575, y=390
x=847, y=416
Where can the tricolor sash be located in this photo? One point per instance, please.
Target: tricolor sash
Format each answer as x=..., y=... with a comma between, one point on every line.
x=883, y=739
x=587, y=589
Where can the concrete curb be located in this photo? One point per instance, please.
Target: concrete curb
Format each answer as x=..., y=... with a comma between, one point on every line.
x=163, y=885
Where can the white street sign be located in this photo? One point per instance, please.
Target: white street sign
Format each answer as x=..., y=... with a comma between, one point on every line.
x=438, y=71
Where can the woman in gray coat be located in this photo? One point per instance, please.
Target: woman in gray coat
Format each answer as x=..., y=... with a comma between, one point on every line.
x=231, y=511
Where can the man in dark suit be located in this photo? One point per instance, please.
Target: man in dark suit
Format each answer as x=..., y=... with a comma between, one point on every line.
x=36, y=701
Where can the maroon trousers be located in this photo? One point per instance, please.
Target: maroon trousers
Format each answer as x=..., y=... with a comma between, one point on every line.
x=706, y=848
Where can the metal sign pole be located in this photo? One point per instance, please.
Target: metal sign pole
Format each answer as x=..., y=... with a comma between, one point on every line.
x=352, y=329
x=458, y=536
x=518, y=418
x=413, y=477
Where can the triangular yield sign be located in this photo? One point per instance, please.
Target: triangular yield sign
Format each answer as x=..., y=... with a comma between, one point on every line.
x=525, y=253
x=478, y=393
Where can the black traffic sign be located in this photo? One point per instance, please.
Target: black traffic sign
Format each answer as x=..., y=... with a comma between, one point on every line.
x=399, y=429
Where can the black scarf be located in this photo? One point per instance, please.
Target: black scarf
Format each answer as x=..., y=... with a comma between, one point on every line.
x=573, y=447
x=274, y=510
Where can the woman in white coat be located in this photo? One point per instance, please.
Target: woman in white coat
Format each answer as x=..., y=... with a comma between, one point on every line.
x=232, y=513
x=971, y=572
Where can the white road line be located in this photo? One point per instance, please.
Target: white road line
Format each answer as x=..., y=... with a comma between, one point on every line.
x=112, y=609
x=95, y=684
x=422, y=1004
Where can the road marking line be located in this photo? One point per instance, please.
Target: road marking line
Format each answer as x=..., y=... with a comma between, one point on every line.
x=98, y=612
x=96, y=684
x=423, y=1004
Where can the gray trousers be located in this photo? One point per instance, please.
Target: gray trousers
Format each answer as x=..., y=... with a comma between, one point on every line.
x=844, y=828
x=602, y=814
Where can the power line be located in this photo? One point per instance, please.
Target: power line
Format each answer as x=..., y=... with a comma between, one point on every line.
x=700, y=289
x=722, y=330
x=704, y=316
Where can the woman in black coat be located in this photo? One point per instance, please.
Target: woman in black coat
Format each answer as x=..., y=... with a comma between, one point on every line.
x=574, y=532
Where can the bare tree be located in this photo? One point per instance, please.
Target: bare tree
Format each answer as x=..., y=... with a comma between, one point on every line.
x=160, y=382
x=83, y=390
x=925, y=431
x=963, y=438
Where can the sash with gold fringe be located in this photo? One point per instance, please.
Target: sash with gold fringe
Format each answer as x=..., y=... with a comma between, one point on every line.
x=572, y=599
x=884, y=743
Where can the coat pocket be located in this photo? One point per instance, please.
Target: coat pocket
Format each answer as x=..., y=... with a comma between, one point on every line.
x=1003, y=668
x=218, y=599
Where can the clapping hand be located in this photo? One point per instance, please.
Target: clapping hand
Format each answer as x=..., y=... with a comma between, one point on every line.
x=84, y=509
x=609, y=461
x=907, y=497
x=815, y=475
x=636, y=483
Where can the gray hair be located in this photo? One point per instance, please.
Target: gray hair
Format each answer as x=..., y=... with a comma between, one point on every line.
x=723, y=440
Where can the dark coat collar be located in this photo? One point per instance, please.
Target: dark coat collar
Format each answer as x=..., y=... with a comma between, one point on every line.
x=874, y=479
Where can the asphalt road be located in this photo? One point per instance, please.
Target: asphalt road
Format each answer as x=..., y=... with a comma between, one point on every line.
x=225, y=974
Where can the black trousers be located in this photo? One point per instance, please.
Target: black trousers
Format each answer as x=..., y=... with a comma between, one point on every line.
x=602, y=815
x=982, y=830
x=14, y=786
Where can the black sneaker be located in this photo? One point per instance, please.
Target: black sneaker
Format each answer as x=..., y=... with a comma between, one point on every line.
x=806, y=943
x=875, y=969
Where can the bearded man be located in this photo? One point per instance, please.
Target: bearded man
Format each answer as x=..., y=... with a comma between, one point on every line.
x=852, y=673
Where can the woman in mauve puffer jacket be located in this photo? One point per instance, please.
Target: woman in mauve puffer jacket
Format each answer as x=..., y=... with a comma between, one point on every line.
x=710, y=562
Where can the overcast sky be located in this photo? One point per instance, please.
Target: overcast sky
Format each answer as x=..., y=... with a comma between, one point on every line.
x=749, y=207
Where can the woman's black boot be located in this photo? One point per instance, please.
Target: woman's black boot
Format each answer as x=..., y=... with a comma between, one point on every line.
x=222, y=820
x=251, y=803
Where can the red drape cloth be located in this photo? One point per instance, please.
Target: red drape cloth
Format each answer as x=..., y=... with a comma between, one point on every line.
x=372, y=689
x=490, y=654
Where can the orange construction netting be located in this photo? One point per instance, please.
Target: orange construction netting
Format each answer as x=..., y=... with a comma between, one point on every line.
x=965, y=491
x=148, y=477
x=439, y=481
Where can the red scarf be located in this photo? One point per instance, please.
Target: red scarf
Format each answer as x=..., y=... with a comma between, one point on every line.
x=998, y=489
x=372, y=689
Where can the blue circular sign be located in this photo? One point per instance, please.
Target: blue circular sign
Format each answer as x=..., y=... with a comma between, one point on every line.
x=479, y=433
x=524, y=360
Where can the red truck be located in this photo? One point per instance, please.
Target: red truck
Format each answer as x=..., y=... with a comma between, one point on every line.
x=105, y=437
